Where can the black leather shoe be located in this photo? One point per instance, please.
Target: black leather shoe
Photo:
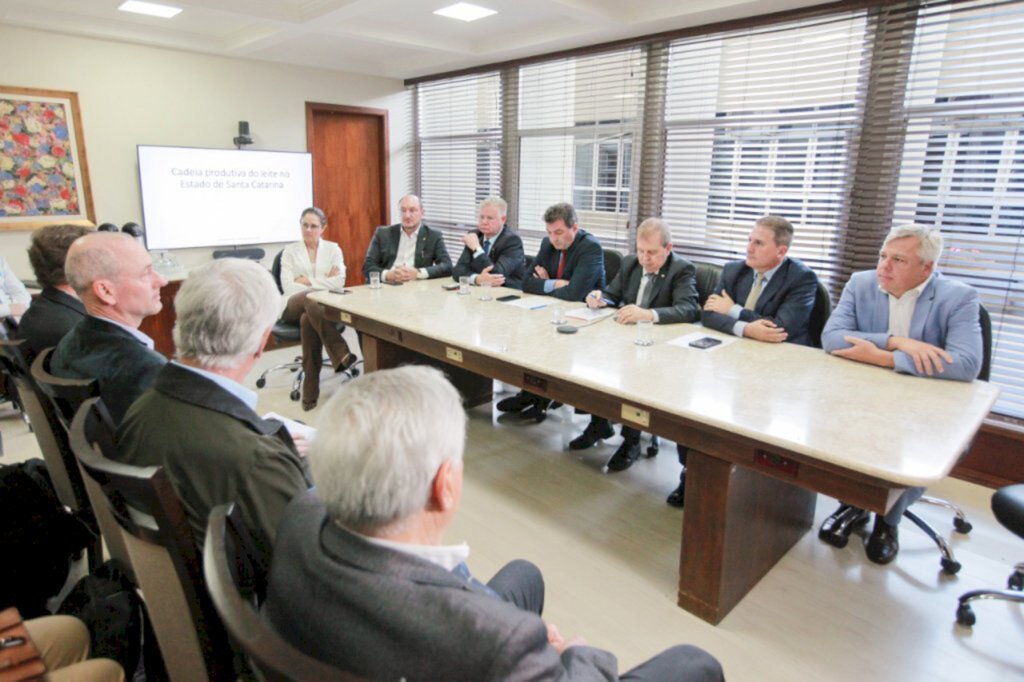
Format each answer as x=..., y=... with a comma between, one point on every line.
x=836, y=529
x=515, y=403
x=677, y=498
x=624, y=457
x=884, y=543
x=534, y=412
x=596, y=430
x=346, y=362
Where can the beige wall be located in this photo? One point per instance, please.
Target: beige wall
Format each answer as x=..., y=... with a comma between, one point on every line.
x=132, y=95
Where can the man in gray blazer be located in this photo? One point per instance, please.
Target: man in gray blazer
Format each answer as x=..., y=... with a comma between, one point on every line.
x=907, y=317
x=653, y=285
x=360, y=577
x=409, y=250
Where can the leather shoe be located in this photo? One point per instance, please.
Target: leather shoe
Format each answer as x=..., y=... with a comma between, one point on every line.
x=624, y=457
x=537, y=411
x=346, y=362
x=677, y=498
x=597, y=429
x=308, y=405
x=515, y=403
x=884, y=543
x=836, y=529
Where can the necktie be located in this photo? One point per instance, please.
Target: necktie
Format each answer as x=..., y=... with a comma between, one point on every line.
x=487, y=246
x=561, y=265
x=755, y=291
x=645, y=301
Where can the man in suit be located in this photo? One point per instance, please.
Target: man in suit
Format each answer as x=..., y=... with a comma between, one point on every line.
x=905, y=316
x=115, y=280
x=768, y=296
x=199, y=422
x=360, y=577
x=57, y=308
x=409, y=250
x=653, y=285
x=493, y=253
x=569, y=265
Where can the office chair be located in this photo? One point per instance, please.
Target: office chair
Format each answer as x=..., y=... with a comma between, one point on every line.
x=819, y=314
x=288, y=333
x=236, y=583
x=838, y=535
x=1008, y=506
x=612, y=263
x=163, y=553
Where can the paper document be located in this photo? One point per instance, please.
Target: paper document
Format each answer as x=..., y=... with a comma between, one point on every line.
x=528, y=302
x=590, y=314
x=294, y=428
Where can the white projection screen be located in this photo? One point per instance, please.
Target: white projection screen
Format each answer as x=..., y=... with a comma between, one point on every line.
x=195, y=197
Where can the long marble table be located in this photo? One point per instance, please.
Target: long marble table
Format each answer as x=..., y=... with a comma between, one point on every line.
x=768, y=426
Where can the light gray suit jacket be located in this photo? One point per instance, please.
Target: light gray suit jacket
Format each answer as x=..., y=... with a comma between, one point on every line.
x=385, y=615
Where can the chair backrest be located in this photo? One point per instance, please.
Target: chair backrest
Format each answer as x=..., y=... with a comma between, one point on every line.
x=612, y=263
x=48, y=429
x=275, y=270
x=67, y=395
x=234, y=582
x=708, y=275
x=162, y=550
x=819, y=314
x=986, y=343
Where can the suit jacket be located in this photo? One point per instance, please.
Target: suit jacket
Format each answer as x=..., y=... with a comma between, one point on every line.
x=121, y=364
x=675, y=289
x=584, y=268
x=430, y=251
x=214, y=450
x=385, y=615
x=52, y=315
x=506, y=255
x=787, y=299
x=946, y=315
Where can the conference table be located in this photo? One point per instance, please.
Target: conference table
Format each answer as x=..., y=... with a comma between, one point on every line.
x=768, y=425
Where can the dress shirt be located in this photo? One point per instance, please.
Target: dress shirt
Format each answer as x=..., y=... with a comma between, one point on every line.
x=549, y=285
x=482, y=251
x=736, y=309
x=295, y=263
x=445, y=556
x=901, y=309
x=141, y=336
x=233, y=387
x=645, y=281
x=11, y=289
x=406, y=253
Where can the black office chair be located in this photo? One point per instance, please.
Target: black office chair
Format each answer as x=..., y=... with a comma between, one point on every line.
x=708, y=275
x=612, y=263
x=163, y=553
x=819, y=314
x=290, y=334
x=237, y=584
x=1008, y=506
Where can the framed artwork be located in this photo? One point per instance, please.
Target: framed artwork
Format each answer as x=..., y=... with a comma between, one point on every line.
x=44, y=175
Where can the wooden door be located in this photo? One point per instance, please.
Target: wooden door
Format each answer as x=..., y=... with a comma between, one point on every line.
x=350, y=176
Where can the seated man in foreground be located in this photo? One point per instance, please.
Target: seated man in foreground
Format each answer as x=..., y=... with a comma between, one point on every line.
x=361, y=579
x=198, y=420
x=115, y=280
x=907, y=317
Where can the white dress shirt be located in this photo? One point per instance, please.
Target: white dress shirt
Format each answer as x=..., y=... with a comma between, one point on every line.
x=295, y=263
x=11, y=289
x=901, y=309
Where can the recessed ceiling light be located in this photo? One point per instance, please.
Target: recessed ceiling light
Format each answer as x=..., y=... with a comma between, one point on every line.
x=150, y=8
x=463, y=11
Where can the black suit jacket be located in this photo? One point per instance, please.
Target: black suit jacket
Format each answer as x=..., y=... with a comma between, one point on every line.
x=121, y=364
x=506, y=255
x=52, y=315
x=787, y=299
x=584, y=268
x=430, y=251
x=675, y=289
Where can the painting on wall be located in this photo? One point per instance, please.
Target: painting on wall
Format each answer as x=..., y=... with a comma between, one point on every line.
x=44, y=176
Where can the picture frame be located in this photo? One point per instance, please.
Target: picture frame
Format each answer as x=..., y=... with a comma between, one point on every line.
x=44, y=172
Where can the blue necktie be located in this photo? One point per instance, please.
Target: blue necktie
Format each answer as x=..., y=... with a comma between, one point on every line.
x=487, y=246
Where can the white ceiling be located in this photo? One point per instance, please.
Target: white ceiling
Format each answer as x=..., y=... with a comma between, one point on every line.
x=395, y=38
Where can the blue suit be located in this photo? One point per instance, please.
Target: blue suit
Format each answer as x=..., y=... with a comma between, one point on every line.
x=787, y=299
x=946, y=315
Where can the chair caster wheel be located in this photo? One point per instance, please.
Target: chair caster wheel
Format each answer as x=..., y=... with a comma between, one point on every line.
x=962, y=525
x=1015, y=582
x=965, y=615
x=261, y=382
x=652, y=451
x=354, y=372
x=294, y=395
x=950, y=567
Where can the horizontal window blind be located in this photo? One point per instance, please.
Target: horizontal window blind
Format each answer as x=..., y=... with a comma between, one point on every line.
x=459, y=150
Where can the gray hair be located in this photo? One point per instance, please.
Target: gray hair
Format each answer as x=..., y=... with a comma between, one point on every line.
x=656, y=226
x=929, y=238
x=380, y=441
x=780, y=227
x=496, y=202
x=95, y=256
x=564, y=212
x=223, y=310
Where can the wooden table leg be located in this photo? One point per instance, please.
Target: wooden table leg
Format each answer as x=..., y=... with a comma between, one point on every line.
x=737, y=524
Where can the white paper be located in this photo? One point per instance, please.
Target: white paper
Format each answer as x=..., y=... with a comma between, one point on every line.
x=684, y=341
x=528, y=302
x=294, y=428
x=590, y=314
